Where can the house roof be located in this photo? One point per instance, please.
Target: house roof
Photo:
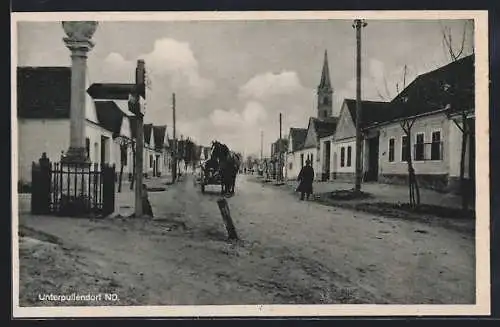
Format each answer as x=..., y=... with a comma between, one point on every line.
x=372, y=111
x=147, y=133
x=284, y=145
x=452, y=84
x=426, y=94
x=298, y=137
x=109, y=116
x=43, y=92
x=111, y=91
x=325, y=127
x=159, y=135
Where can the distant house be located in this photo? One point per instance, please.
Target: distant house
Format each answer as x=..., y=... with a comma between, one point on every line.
x=159, y=133
x=317, y=130
x=343, y=163
x=277, y=147
x=43, y=112
x=294, y=159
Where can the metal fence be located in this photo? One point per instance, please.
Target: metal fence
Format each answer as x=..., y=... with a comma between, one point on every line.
x=73, y=189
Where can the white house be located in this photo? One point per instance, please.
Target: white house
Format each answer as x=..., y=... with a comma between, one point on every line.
x=294, y=158
x=343, y=152
x=433, y=103
x=43, y=111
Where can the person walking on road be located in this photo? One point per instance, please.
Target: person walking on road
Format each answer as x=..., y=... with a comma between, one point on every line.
x=306, y=178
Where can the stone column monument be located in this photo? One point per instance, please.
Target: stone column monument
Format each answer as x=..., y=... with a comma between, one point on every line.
x=78, y=41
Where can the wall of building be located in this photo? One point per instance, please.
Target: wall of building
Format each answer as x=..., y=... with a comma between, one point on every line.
x=36, y=136
x=425, y=125
x=311, y=136
x=431, y=173
x=347, y=171
x=322, y=156
x=293, y=165
x=345, y=127
x=94, y=133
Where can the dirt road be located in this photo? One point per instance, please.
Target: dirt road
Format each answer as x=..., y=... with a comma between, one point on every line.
x=290, y=252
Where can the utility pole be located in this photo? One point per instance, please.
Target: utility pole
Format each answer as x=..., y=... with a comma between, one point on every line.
x=174, y=150
x=261, y=143
x=137, y=108
x=280, y=172
x=358, y=24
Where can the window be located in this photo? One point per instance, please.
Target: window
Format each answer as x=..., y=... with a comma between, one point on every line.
x=342, y=156
x=290, y=166
x=349, y=155
x=312, y=159
x=301, y=160
x=404, y=148
x=419, y=147
x=391, y=149
x=150, y=161
x=87, y=147
x=436, y=146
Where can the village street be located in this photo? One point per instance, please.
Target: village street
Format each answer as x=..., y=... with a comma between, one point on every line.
x=290, y=252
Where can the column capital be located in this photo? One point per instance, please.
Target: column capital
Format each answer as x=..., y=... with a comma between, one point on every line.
x=78, y=47
x=79, y=35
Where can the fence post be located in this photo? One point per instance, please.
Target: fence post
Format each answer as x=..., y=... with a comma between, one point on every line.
x=40, y=181
x=226, y=217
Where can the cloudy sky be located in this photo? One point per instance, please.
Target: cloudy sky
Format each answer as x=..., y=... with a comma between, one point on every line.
x=233, y=78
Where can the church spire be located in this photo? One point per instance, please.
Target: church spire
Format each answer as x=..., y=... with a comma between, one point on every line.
x=325, y=74
x=325, y=92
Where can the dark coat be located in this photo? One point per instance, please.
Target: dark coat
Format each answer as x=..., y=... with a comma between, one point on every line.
x=306, y=178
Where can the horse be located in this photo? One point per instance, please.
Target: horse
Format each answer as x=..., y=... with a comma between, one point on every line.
x=229, y=165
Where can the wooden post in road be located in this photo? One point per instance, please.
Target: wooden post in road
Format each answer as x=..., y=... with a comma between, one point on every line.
x=226, y=217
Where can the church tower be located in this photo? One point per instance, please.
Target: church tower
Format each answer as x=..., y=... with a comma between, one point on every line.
x=325, y=92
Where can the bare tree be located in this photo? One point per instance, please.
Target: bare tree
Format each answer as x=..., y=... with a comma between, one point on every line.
x=406, y=125
x=124, y=144
x=454, y=105
x=414, y=191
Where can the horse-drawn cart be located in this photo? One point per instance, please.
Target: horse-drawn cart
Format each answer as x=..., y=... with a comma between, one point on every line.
x=220, y=169
x=209, y=176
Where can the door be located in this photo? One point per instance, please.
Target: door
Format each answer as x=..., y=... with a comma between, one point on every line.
x=373, y=152
x=326, y=161
x=157, y=165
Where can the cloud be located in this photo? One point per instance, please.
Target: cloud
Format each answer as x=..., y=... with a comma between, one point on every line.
x=175, y=61
x=253, y=113
x=270, y=84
